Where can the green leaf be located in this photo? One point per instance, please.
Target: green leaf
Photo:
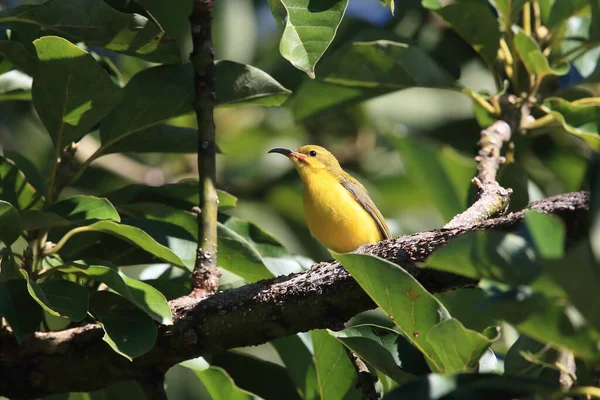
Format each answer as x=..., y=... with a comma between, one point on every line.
x=466, y=304
x=562, y=10
x=399, y=295
x=335, y=372
x=134, y=236
x=85, y=208
x=449, y=173
x=274, y=254
x=474, y=22
x=519, y=360
x=181, y=195
x=144, y=296
x=10, y=223
x=162, y=138
x=34, y=219
x=510, y=8
x=384, y=349
x=71, y=93
x=15, y=189
x=534, y=60
x=18, y=56
x=389, y=4
x=467, y=346
x=245, y=85
x=129, y=331
x=21, y=312
x=174, y=19
x=298, y=360
x=473, y=386
x=308, y=29
x=581, y=283
x=220, y=386
x=362, y=70
x=579, y=117
x=547, y=232
x=97, y=24
x=60, y=297
x=548, y=321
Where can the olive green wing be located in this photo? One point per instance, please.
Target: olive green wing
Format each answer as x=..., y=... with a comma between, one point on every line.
x=358, y=191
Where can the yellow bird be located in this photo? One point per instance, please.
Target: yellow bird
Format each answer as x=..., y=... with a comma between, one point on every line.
x=339, y=212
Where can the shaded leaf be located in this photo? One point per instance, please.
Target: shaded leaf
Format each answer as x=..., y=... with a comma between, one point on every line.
x=18, y=56
x=466, y=305
x=518, y=361
x=21, y=312
x=466, y=347
x=161, y=138
x=580, y=118
x=85, y=208
x=144, y=296
x=15, y=189
x=474, y=22
x=298, y=360
x=448, y=172
x=71, y=93
x=134, y=236
x=60, y=297
x=220, y=386
x=97, y=24
x=362, y=70
x=547, y=320
x=10, y=223
x=128, y=330
x=308, y=29
x=534, y=60
x=472, y=386
x=562, y=10
x=509, y=8
x=241, y=85
x=34, y=219
x=335, y=372
x=384, y=349
x=399, y=295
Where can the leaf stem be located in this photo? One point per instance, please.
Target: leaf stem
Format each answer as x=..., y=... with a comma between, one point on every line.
x=527, y=18
x=65, y=239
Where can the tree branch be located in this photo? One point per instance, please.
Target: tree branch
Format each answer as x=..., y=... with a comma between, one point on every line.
x=205, y=279
x=492, y=198
x=79, y=360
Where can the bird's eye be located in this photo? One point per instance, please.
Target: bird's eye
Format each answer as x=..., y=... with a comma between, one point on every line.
x=313, y=153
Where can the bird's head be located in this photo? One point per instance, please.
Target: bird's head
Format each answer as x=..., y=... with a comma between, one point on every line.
x=310, y=158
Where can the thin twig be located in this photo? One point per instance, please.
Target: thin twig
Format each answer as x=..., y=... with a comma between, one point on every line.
x=492, y=199
x=366, y=381
x=205, y=279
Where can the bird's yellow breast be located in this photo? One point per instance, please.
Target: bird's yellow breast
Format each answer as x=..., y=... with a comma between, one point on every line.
x=334, y=217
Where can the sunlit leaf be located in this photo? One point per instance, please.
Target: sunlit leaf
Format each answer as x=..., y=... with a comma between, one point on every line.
x=579, y=118
x=85, y=208
x=548, y=234
x=534, y=60
x=298, y=360
x=15, y=189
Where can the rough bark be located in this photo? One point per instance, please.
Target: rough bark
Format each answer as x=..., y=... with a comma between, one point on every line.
x=323, y=297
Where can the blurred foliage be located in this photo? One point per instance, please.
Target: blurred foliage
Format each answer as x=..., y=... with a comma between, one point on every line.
x=397, y=91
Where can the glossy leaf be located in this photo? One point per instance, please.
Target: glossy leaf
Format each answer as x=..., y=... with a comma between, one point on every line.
x=474, y=22
x=181, y=195
x=60, y=297
x=144, y=296
x=97, y=24
x=85, y=208
x=335, y=372
x=384, y=349
x=580, y=118
x=21, y=312
x=467, y=346
x=18, y=56
x=298, y=360
x=15, y=189
x=71, y=93
x=220, y=386
x=472, y=386
x=134, y=236
x=10, y=223
x=534, y=60
x=548, y=234
x=309, y=27
x=128, y=330
x=362, y=70
x=245, y=85
x=449, y=173
x=548, y=321
x=400, y=296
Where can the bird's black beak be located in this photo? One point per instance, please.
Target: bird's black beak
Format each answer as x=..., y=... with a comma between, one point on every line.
x=285, y=152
